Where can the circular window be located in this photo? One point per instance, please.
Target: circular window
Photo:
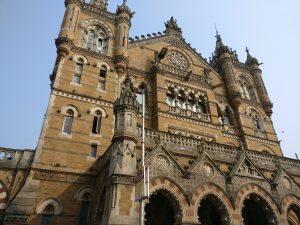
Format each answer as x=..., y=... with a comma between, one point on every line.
x=177, y=60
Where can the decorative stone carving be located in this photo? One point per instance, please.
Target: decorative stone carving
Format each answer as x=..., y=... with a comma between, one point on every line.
x=208, y=170
x=177, y=60
x=60, y=176
x=246, y=169
x=162, y=163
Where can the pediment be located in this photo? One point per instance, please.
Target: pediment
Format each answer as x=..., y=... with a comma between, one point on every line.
x=244, y=167
x=284, y=180
x=162, y=162
x=173, y=42
x=206, y=166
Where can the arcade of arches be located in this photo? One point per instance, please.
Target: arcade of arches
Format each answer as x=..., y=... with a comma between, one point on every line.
x=163, y=208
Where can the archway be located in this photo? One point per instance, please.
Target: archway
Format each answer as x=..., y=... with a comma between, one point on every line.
x=256, y=211
x=163, y=209
x=293, y=215
x=212, y=211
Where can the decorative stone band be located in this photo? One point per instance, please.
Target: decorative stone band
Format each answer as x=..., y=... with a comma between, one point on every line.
x=63, y=176
x=3, y=197
x=82, y=98
x=16, y=219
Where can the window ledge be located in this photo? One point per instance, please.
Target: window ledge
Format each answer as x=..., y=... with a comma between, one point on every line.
x=95, y=135
x=75, y=84
x=64, y=135
x=91, y=159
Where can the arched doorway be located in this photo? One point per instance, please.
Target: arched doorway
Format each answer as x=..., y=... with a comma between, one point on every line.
x=293, y=215
x=163, y=209
x=212, y=211
x=256, y=211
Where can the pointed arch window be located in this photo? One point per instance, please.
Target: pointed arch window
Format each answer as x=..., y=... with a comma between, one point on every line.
x=67, y=127
x=47, y=215
x=78, y=71
x=84, y=209
x=97, y=122
x=102, y=77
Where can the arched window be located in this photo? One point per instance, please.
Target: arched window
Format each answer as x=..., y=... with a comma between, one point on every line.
x=78, y=71
x=97, y=41
x=139, y=94
x=47, y=215
x=202, y=107
x=102, y=77
x=227, y=117
x=247, y=89
x=258, y=123
x=170, y=99
x=90, y=39
x=67, y=127
x=84, y=209
x=97, y=122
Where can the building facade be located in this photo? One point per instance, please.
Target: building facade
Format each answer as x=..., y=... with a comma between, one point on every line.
x=210, y=145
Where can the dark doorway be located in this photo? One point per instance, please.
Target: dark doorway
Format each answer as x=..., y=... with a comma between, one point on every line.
x=256, y=211
x=159, y=210
x=208, y=213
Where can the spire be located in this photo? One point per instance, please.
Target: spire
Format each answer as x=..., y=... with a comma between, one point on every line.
x=124, y=8
x=172, y=27
x=250, y=59
x=102, y=4
x=220, y=47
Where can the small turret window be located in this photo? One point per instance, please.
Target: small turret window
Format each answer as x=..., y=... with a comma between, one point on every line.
x=102, y=78
x=97, y=123
x=93, y=151
x=78, y=71
x=228, y=117
x=67, y=128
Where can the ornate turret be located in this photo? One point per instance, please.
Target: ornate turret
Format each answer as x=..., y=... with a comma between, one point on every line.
x=172, y=27
x=124, y=15
x=126, y=110
x=102, y=4
x=257, y=74
x=223, y=57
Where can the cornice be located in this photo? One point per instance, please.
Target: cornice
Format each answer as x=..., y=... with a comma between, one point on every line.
x=94, y=11
x=83, y=98
x=91, y=53
x=266, y=141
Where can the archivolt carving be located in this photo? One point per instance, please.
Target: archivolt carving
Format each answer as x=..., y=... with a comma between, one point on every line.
x=174, y=200
x=94, y=22
x=269, y=210
x=222, y=207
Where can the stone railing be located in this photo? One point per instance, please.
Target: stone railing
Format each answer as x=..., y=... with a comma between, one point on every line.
x=229, y=129
x=12, y=158
x=6, y=154
x=99, y=11
x=184, y=74
x=189, y=113
x=218, y=152
x=260, y=134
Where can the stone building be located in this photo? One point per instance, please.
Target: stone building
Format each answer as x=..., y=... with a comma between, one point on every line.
x=211, y=148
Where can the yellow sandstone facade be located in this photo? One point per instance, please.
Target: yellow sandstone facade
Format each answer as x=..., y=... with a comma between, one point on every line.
x=211, y=147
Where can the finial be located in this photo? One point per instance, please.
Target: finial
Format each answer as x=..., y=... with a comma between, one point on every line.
x=247, y=50
x=217, y=33
x=124, y=2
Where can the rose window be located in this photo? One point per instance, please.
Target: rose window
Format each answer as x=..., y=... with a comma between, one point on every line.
x=177, y=60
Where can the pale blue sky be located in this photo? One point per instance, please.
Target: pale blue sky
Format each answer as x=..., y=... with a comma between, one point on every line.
x=270, y=29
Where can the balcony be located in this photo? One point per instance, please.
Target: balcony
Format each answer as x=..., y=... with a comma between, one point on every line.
x=189, y=113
